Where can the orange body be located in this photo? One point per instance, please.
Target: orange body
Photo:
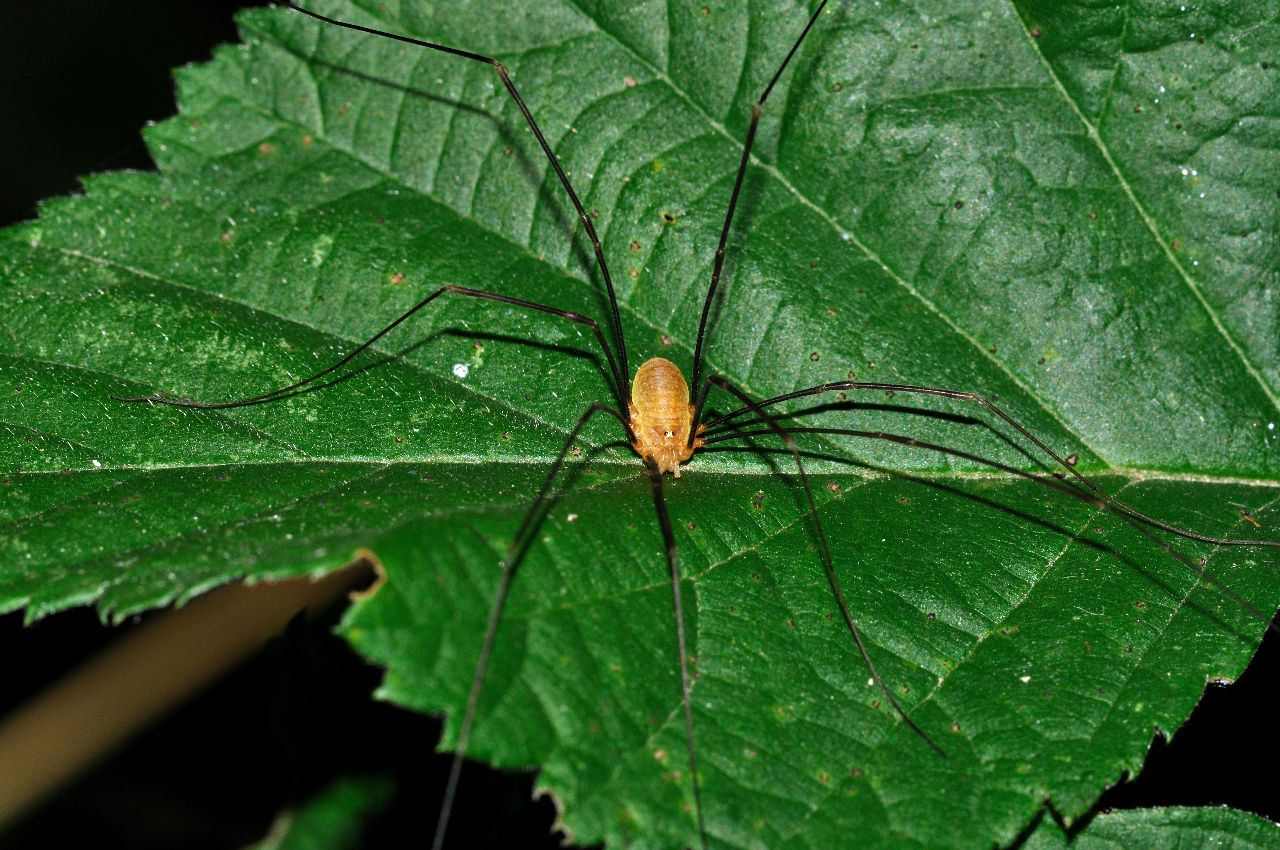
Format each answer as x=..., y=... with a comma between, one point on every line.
x=661, y=415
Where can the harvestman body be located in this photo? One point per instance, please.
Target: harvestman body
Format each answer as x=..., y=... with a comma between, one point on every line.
x=662, y=417
x=665, y=427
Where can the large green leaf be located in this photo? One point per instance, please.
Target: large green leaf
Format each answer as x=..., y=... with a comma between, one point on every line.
x=1071, y=210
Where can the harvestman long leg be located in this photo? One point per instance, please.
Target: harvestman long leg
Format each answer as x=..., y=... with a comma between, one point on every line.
x=451, y=289
x=827, y=564
x=510, y=562
x=718, y=266
x=976, y=398
x=509, y=565
x=1195, y=567
x=673, y=566
x=542, y=142
x=619, y=368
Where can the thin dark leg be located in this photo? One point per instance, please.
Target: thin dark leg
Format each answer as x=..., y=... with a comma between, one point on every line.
x=509, y=564
x=827, y=563
x=733, y=204
x=451, y=289
x=1053, y=484
x=669, y=538
x=542, y=141
x=975, y=398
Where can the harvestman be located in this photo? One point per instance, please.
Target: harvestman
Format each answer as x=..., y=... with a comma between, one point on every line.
x=665, y=426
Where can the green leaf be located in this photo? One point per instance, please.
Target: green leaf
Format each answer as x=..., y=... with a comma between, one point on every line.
x=1184, y=828
x=332, y=820
x=1070, y=211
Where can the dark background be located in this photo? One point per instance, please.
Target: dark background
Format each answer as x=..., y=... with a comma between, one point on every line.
x=78, y=78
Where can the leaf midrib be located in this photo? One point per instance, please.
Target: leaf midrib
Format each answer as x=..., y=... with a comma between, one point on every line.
x=1130, y=475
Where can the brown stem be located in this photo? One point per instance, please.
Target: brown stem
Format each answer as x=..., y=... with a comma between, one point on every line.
x=141, y=676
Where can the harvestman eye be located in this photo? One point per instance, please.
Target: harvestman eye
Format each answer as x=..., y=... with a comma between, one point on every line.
x=665, y=425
